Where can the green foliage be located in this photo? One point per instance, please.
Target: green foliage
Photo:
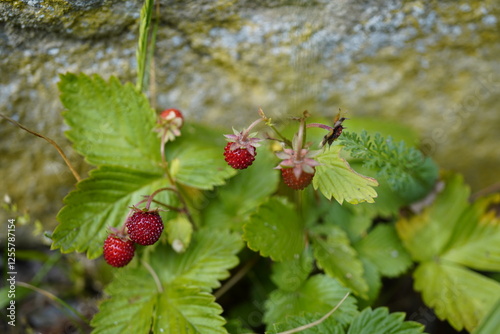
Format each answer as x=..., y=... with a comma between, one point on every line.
x=335, y=178
x=110, y=123
x=100, y=201
x=318, y=250
x=383, y=248
x=317, y=296
x=334, y=254
x=380, y=321
x=178, y=300
x=275, y=230
x=447, y=239
x=405, y=168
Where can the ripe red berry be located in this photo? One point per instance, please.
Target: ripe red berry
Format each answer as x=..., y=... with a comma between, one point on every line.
x=239, y=158
x=118, y=252
x=144, y=227
x=296, y=183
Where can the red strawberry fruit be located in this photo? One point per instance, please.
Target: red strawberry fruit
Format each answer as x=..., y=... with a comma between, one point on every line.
x=296, y=183
x=118, y=252
x=144, y=227
x=239, y=158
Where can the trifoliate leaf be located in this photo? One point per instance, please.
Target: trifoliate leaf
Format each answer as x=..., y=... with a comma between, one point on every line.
x=275, y=230
x=138, y=305
x=427, y=234
x=329, y=325
x=476, y=241
x=459, y=295
x=100, y=201
x=179, y=231
x=335, y=178
x=244, y=192
x=206, y=262
x=290, y=274
x=318, y=295
x=381, y=321
x=110, y=123
x=197, y=158
x=384, y=249
x=335, y=255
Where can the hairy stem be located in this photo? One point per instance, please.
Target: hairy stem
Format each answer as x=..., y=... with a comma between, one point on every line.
x=53, y=143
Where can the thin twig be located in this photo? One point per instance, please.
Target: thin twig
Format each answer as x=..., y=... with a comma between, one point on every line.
x=236, y=278
x=53, y=298
x=155, y=276
x=53, y=143
x=317, y=322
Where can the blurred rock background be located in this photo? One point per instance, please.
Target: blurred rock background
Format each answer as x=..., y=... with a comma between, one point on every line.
x=433, y=66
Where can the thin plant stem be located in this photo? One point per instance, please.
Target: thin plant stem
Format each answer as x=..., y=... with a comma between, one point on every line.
x=53, y=143
x=236, y=278
x=317, y=322
x=154, y=275
x=54, y=298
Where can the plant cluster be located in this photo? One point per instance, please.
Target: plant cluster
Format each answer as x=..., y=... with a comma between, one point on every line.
x=238, y=214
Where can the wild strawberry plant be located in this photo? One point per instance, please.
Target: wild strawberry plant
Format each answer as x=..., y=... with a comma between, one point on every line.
x=318, y=213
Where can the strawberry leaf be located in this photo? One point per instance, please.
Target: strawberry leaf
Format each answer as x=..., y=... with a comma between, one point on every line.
x=204, y=263
x=136, y=306
x=275, y=230
x=110, y=123
x=335, y=178
x=196, y=158
x=427, y=234
x=476, y=243
x=318, y=295
x=329, y=325
x=178, y=300
x=290, y=274
x=384, y=249
x=380, y=320
x=335, y=255
x=459, y=295
x=100, y=201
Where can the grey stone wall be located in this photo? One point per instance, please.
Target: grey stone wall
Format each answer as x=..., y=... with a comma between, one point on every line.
x=431, y=65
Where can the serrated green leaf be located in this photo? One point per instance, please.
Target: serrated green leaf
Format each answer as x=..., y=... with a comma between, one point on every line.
x=318, y=295
x=100, y=201
x=476, y=241
x=179, y=231
x=236, y=200
x=275, y=230
x=290, y=274
x=384, y=249
x=330, y=325
x=197, y=158
x=335, y=178
x=137, y=306
x=427, y=234
x=380, y=320
x=374, y=281
x=353, y=219
x=491, y=322
x=182, y=303
x=110, y=123
x=335, y=255
x=456, y=294
x=206, y=262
